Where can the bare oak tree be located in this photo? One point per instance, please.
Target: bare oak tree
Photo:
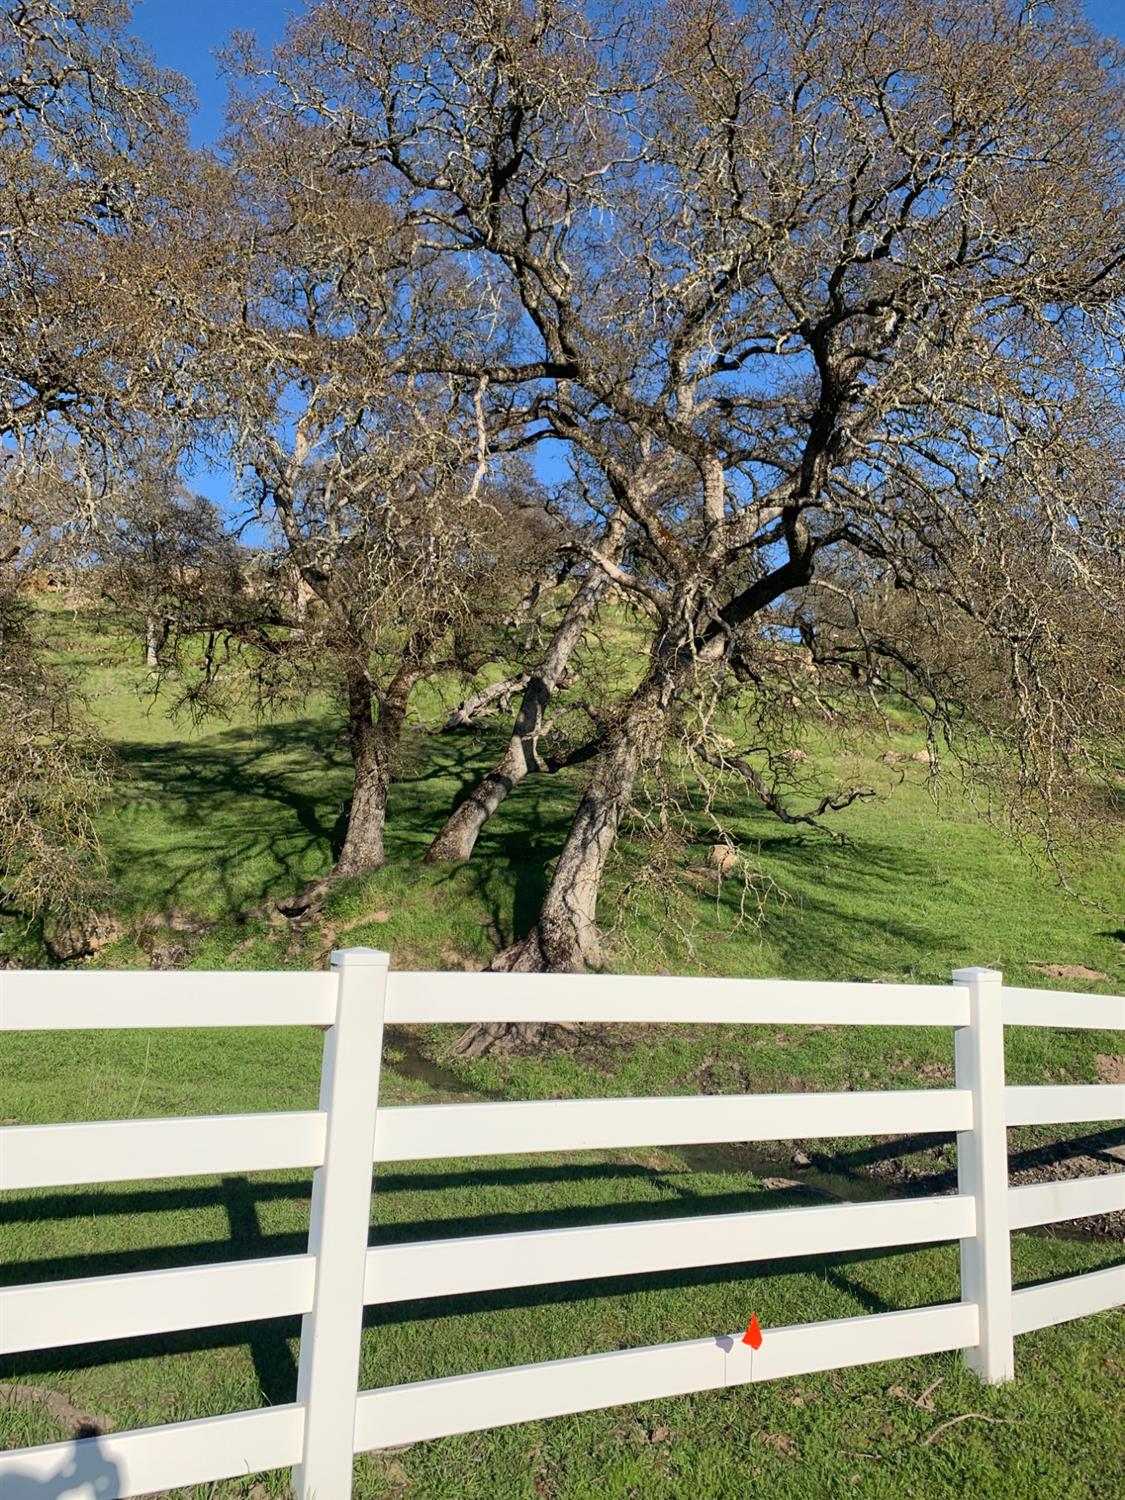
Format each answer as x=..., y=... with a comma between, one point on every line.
x=832, y=297
x=92, y=147
x=523, y=755
x=167, y=561
x=91, y=137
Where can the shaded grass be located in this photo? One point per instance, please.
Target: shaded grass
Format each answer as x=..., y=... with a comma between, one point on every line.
x=218, y=819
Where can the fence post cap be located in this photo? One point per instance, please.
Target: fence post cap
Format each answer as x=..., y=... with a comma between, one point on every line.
x=373, y=957
x=977, y=976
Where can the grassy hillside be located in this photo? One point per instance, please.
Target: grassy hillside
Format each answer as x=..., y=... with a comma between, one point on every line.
x=207, y=825
x=211, y=822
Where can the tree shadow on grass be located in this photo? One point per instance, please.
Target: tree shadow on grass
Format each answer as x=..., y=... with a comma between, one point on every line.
x=807, y=890
x=509, y=873
x=247, y=813
x=263, y=799
x=510, y=876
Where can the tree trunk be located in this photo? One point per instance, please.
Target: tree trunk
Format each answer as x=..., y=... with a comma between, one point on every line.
x=566, y=937
x=156, y=634
x=374, y=745
x=458, y=837
x=363, y=843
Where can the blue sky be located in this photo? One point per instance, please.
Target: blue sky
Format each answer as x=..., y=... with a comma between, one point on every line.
x=1109, y=15
x=184, y=34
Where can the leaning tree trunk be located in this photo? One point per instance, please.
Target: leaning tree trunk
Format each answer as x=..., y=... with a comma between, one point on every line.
x=457, y=839
x=566, y=939
x=374, y=745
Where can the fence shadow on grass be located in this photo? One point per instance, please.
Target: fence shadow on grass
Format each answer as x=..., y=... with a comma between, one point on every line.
x=850, y=1162
x=269, y=1342
x=274, y=1365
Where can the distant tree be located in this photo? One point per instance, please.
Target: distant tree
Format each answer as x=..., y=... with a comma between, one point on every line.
x=169, y=562
x=832, y=296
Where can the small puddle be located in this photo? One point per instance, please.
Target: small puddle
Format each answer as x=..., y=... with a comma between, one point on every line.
x=409, y=1062
x=782, y=1173
x=779, y=1173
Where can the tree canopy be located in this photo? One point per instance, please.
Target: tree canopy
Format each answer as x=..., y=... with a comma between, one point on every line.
x=810, y=316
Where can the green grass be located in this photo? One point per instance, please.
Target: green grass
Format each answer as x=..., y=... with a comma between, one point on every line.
x=1055, y=1431
x=207, y=824
x=215, y=820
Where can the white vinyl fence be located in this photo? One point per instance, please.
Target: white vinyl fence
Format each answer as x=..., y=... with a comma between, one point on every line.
x=330, y=1284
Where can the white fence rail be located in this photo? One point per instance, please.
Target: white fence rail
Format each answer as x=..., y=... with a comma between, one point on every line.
x=331, y=1420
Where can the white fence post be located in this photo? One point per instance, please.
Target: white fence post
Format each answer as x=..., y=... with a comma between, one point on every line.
x=982, y=1174
x=328, y=1375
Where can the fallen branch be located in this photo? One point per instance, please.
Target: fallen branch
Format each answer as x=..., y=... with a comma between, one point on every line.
x=977, y=1416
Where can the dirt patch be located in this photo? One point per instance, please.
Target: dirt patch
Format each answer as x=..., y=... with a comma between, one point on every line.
x=81, y=938
x=330, y=934
x=169, y=937
x=454, y=958
x=168, y=956
x=780, y=1442
x=932, y=1169
x=1070, y=971
x=934, y=1073
x=59, y=1406
x=925, y=1075
x=309, y=899
x=1110, y=1066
